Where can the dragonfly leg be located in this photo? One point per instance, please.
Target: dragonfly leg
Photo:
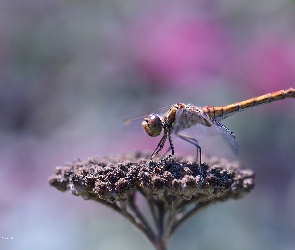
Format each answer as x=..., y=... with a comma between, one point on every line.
x=171, y=146
x=170, y=142
x=160, y=144
x=166, y=153
x=194, y=142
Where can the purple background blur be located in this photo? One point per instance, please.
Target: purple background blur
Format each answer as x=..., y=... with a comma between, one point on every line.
x=71, y=71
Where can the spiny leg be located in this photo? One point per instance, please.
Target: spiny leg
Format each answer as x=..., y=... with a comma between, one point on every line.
x=170, y=142
x=166, y=153
x=196, y=144
x=160, y=144
x=192, y=141
x=171, y=147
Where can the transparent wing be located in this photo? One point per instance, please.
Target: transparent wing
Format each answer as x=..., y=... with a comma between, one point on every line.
x=228, y=136
x=134, y=124
x=197, y=131
x=200, y=132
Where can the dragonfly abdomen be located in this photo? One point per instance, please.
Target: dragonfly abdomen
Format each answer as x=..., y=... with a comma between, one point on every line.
x=221, y=112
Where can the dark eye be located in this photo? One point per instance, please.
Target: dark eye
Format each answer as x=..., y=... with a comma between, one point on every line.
x=152, y=125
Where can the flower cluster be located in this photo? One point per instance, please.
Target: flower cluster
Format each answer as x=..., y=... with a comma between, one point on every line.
x=174, y=188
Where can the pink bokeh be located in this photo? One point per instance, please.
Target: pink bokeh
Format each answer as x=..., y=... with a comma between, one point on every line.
x=269, y=63
x=169, y=49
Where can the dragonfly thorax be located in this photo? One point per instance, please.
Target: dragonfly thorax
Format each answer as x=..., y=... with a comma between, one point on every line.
x=152, y=125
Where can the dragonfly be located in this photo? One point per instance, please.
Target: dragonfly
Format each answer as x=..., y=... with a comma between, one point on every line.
x=200, y=122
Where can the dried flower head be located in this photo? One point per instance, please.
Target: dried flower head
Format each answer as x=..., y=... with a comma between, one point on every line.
x=175, y=188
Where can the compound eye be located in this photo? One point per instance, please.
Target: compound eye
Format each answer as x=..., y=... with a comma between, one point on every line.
x=152, y=125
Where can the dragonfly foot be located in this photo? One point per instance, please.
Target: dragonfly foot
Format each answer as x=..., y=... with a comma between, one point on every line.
x=148, y=163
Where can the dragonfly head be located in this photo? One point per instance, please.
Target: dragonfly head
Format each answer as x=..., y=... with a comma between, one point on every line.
x=152, y=125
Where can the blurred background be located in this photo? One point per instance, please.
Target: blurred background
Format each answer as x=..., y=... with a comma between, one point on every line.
x=72, y=71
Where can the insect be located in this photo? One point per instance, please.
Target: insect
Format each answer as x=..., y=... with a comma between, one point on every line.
x=203, y=121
